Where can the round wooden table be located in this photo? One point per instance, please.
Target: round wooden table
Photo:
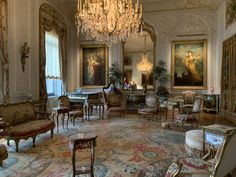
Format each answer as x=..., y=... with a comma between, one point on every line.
x=83, y=140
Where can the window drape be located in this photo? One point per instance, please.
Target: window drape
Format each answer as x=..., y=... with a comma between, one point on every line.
x=53, y=69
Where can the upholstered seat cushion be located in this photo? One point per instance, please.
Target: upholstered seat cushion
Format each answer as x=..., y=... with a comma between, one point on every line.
x=146, y=110
x=195, y=166
x=190, y=167
x=194, y=138
x=115, y=109
x=31, y=127
x=184, y=117
x=77, y=113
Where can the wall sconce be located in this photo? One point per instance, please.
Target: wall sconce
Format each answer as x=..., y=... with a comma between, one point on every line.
x=24, y=54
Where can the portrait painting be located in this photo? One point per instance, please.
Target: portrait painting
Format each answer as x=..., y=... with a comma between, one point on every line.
x=94, y=66
x=189, y=59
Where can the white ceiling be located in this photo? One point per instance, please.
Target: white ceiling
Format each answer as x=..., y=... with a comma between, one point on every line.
x=69, y=6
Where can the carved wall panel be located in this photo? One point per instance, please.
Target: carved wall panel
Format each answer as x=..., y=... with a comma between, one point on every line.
x=50, y=19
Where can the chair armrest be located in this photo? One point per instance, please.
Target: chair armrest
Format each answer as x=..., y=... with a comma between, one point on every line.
x=174, y=169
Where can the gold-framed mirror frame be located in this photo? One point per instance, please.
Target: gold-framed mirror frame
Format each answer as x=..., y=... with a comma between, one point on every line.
x=151, y=31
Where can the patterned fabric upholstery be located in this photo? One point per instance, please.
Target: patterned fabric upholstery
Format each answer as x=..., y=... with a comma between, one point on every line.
x=31, y=127
x=192, y=115
x=75, y=111
x=22, y=122
x=151, y=105
x=172, y=170
x=220, y=165
x=196, y=105
x=17, y=113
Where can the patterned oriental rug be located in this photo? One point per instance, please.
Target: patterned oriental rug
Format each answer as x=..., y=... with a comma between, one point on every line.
x=126, y=147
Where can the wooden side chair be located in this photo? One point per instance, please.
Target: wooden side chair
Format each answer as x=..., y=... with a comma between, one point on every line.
x=75, y=110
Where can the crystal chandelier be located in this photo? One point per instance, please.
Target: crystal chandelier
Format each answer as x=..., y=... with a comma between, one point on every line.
x=109, y=21
x=144, y=65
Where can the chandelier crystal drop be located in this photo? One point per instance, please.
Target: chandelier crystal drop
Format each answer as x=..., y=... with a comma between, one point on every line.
x=109, y=21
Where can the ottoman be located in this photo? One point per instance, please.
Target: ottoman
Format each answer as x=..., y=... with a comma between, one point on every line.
x=3, y=153
x=194, y=143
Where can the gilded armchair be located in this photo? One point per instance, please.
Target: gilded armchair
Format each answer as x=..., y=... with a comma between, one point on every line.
x=151, y=106
x=221, y=165
x=190, y=116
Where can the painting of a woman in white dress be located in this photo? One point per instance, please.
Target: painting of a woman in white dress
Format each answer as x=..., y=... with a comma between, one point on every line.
x=94, y=66
x=189, y=64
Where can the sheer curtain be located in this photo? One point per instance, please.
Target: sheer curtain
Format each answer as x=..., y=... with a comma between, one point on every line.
x=53, y=64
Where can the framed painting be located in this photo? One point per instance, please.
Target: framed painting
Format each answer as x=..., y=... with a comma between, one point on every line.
x=189, y=64
x=94, y=66
x=230, y=16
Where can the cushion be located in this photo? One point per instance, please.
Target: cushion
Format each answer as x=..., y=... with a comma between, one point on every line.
x=77, y=113
x=194, y=138
x=146, y=110
x=17, y=113
x=115, y=109
x=196, y=105
x=31, y=127
x=194, y=166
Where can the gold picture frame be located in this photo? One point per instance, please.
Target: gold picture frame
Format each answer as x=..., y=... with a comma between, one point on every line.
x=189, y=65
x=93, y=66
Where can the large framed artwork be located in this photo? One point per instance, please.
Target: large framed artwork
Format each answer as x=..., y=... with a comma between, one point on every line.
x=189, y=64
x=230, y=16
x=94, y=66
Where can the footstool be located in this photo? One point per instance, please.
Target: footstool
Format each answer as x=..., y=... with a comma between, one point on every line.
x=3, y=153
x=194, y=143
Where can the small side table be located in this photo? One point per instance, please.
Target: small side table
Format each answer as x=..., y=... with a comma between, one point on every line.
x=215, y=134
x=61, y=110
x=83, y=141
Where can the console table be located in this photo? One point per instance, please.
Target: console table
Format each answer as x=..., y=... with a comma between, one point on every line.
x=134, y=101
x=211, y=103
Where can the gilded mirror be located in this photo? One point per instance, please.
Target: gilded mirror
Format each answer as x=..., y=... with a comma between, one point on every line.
x=139, y=59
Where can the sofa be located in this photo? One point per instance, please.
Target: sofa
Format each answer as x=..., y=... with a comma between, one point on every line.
x=23, y=121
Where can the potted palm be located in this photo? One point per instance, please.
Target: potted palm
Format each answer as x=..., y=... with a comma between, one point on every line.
x=162, y=77
x=115, y=76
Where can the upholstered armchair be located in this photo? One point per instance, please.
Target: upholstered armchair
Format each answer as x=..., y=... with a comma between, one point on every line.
x=75, y=110
x=190, y=115
x=114, y=104
x=188, y=99
x=151, y=106
x=222, y=164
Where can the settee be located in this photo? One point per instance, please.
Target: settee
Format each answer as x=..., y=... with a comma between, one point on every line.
x=23, y=121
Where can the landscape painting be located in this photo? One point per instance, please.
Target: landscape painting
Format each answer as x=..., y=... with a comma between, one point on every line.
x=189, y=64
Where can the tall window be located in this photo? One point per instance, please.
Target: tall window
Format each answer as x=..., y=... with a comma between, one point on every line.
x=53, y=71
